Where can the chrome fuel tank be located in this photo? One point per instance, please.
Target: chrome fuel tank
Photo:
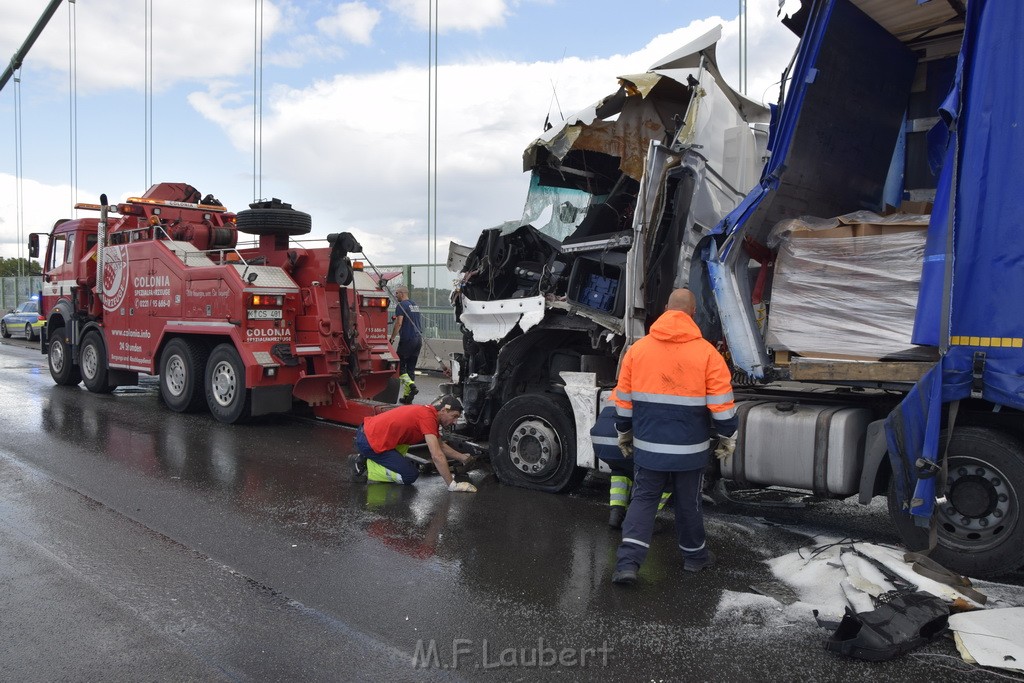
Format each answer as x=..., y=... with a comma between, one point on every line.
x=814, y=447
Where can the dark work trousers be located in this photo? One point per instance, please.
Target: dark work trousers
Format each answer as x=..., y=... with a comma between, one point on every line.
x=408, y=354
x=639, y=523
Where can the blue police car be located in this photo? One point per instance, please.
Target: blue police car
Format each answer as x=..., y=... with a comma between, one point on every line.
x=25, y=319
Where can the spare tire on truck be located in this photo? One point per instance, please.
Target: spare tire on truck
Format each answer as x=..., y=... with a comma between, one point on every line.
x=273, y=217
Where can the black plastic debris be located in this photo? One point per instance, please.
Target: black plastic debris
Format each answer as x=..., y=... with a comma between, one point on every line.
x=902, y=622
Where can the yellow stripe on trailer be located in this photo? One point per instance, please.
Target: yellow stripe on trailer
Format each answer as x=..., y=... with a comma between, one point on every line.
x=995, y=342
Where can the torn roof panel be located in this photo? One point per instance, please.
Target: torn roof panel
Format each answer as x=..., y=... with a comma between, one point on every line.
x=644, y=107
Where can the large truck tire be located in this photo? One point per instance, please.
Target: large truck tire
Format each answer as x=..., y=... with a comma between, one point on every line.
x=273, y=218
x=533, y=444
x=182, y=372
x=93, y=364
x=226, y=396
x=58, y=354
x=980, y=526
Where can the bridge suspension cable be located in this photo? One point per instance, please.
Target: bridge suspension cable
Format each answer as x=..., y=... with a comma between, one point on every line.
x=148, y=142
x=432, y=99
x=257, y=101
x=73, y=102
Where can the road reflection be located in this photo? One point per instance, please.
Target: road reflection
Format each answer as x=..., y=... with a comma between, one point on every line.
x=508, y=546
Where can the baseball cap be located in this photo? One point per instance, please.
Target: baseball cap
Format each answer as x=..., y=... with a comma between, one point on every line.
x=448, y=402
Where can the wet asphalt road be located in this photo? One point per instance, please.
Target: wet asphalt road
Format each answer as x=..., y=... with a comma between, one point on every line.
x=139, y=544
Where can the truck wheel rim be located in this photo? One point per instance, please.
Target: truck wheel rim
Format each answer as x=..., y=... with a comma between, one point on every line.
x=224, y=383
x=57, y=356
x=980, y=505
x=90, y=361
x=176, y=375
x=534, y=448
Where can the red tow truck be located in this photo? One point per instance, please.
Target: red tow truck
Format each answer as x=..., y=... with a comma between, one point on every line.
x=158, y=285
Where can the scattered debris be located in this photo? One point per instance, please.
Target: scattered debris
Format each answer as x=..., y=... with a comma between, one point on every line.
x=992, y=637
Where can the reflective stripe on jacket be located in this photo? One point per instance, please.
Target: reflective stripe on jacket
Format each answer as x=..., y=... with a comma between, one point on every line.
x=670, y=383
x=604, y=437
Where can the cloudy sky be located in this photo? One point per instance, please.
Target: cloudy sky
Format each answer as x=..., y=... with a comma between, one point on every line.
x=345, y=87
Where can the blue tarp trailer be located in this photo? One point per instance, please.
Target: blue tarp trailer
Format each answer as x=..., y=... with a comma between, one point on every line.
x=899, y=99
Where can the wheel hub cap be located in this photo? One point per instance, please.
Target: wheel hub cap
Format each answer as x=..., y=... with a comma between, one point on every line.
x=90, y=361
x=176, y=375
x=224, y=384
x=534, y=448
x=979, y=505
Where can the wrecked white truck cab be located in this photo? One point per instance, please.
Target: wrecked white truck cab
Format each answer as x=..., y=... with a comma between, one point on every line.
x=621, y=195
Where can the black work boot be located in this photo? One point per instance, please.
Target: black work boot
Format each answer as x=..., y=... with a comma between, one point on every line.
x=358, y=464
x=616, y=516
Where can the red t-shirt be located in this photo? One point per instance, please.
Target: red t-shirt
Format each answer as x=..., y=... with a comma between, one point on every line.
x=403, y=425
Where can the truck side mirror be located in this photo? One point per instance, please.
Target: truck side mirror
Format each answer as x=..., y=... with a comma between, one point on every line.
x=33, y=245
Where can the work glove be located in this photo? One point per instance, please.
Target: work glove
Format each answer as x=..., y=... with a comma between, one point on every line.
x=461, y=487
x=726, y=446
x=626, y=443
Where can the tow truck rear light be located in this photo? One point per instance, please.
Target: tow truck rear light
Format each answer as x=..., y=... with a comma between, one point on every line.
x=375, y=302
x=357, y=265
x=267, y=300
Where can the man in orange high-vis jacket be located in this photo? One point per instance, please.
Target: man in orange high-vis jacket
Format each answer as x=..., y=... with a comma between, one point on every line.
x=669, y=382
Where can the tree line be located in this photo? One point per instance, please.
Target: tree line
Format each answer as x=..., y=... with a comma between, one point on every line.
x=19, y=266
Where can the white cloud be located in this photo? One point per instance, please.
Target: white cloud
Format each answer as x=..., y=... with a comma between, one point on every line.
x=111, y=40
x=352, y=20
x=453, y=15
x=352, y=149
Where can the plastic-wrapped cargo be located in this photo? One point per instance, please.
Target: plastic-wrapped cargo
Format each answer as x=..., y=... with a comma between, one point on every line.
x=847, y=287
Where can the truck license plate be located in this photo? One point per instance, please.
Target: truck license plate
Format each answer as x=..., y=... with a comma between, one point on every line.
x=264, y=314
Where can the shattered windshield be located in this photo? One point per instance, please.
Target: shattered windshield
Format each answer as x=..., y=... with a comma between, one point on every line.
x=555, y=211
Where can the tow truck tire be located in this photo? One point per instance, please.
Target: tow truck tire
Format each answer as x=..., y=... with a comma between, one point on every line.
x=226, y=396
x=182, y=368
x=274, y=221
x=533, y=444
x=980, y=527
x=58, y=354
x=4, y=332
x=92, y=364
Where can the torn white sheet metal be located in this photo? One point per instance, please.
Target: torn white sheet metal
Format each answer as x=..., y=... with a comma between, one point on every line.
x=865, y=577
x=688, y=58
x=623, y=123
x=860, y=601
x=492, y=320
x=457, y=255
x=892, y=558
x=992, y=637
x=582, y=391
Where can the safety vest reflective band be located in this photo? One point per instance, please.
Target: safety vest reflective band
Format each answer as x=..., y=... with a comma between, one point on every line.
x=675, y=448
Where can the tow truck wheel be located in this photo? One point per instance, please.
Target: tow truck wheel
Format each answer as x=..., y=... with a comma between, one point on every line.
x=273, y=218
x=182, y=366
x=980, y=524
x=93, y=364
x=533, y=444
x=226, y=395
x=58, y=353
x=4, y=332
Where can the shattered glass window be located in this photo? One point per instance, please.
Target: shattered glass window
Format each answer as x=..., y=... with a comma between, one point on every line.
x=555, y=211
